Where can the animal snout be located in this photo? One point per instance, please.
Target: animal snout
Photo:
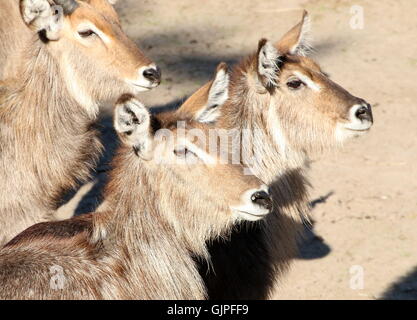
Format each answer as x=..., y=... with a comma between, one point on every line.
x=360, y=117
x=153, y=74
x=255, y=204
x=263, y=199
x=364, y=112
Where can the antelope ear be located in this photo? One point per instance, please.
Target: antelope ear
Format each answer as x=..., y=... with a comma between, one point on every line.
x=217, y=95
x=267, y=63
x=132, y=122
x=40, y=16
x=113, y=2
x=297, y=40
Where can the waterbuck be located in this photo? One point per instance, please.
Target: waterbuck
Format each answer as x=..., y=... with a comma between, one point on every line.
x=166, y=196
x=77, y=57
x=284, y=109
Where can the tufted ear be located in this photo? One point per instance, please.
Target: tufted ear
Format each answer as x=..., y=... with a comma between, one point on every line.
x=39, y=15
x=297, y=40
x=204, y=105
x=267, y=61
x=217, y=95
x=132, y=122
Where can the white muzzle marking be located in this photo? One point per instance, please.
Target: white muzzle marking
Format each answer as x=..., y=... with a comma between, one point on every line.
x=247, y=209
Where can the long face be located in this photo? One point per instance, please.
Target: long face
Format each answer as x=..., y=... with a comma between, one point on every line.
x=97, y=57
x=282, y=91
x=187, y=155
x=194, y=183
x=306, y=110
x=312, y=110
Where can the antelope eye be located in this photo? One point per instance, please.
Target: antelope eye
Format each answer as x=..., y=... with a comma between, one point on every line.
x=181, y=152
x=295, y=84
x=86, y=33
x=185, y=154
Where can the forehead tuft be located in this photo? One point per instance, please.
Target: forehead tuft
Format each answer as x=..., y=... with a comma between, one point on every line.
x=301, y=63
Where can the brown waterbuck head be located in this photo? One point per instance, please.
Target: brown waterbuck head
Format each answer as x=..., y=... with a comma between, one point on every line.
x=188, y=184
x=96, y=57
x=285, y=93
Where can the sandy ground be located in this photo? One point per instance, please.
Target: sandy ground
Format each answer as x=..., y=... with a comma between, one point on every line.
x=363, y=245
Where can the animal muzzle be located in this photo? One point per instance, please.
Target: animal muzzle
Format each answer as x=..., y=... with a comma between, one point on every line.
x=363, y=112
x=262, y=199
x=360, y=117
x=255, y=205
x=148, y=77
x=153, y=75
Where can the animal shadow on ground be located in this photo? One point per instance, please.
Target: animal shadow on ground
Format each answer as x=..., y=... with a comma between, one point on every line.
x=310, y=245
x=313, y=246
x=403, y=289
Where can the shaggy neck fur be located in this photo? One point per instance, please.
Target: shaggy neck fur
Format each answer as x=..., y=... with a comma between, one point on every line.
x=269, y=154
x=259, y=253
x=133, y=229
x=127, y=249
x=48, y=142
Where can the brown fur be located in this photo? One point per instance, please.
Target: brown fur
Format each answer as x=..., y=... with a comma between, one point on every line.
x=13, y=36
x=140, y=244
x=48, y=140
x=247, y=266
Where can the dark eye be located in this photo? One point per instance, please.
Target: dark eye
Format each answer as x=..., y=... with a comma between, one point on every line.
x=86, y=33
x=295, y=84
x=186, y=154
x=181, y=152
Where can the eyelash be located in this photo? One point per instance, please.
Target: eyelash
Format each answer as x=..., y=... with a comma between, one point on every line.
x=183, y=153
x=297, y=83
x=86, y=34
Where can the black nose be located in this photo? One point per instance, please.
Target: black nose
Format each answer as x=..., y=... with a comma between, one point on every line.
x=364, y=113
x=263, y=199
x=153, y=74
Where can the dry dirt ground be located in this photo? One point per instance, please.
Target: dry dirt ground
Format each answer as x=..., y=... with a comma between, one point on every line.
x=363, y=244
